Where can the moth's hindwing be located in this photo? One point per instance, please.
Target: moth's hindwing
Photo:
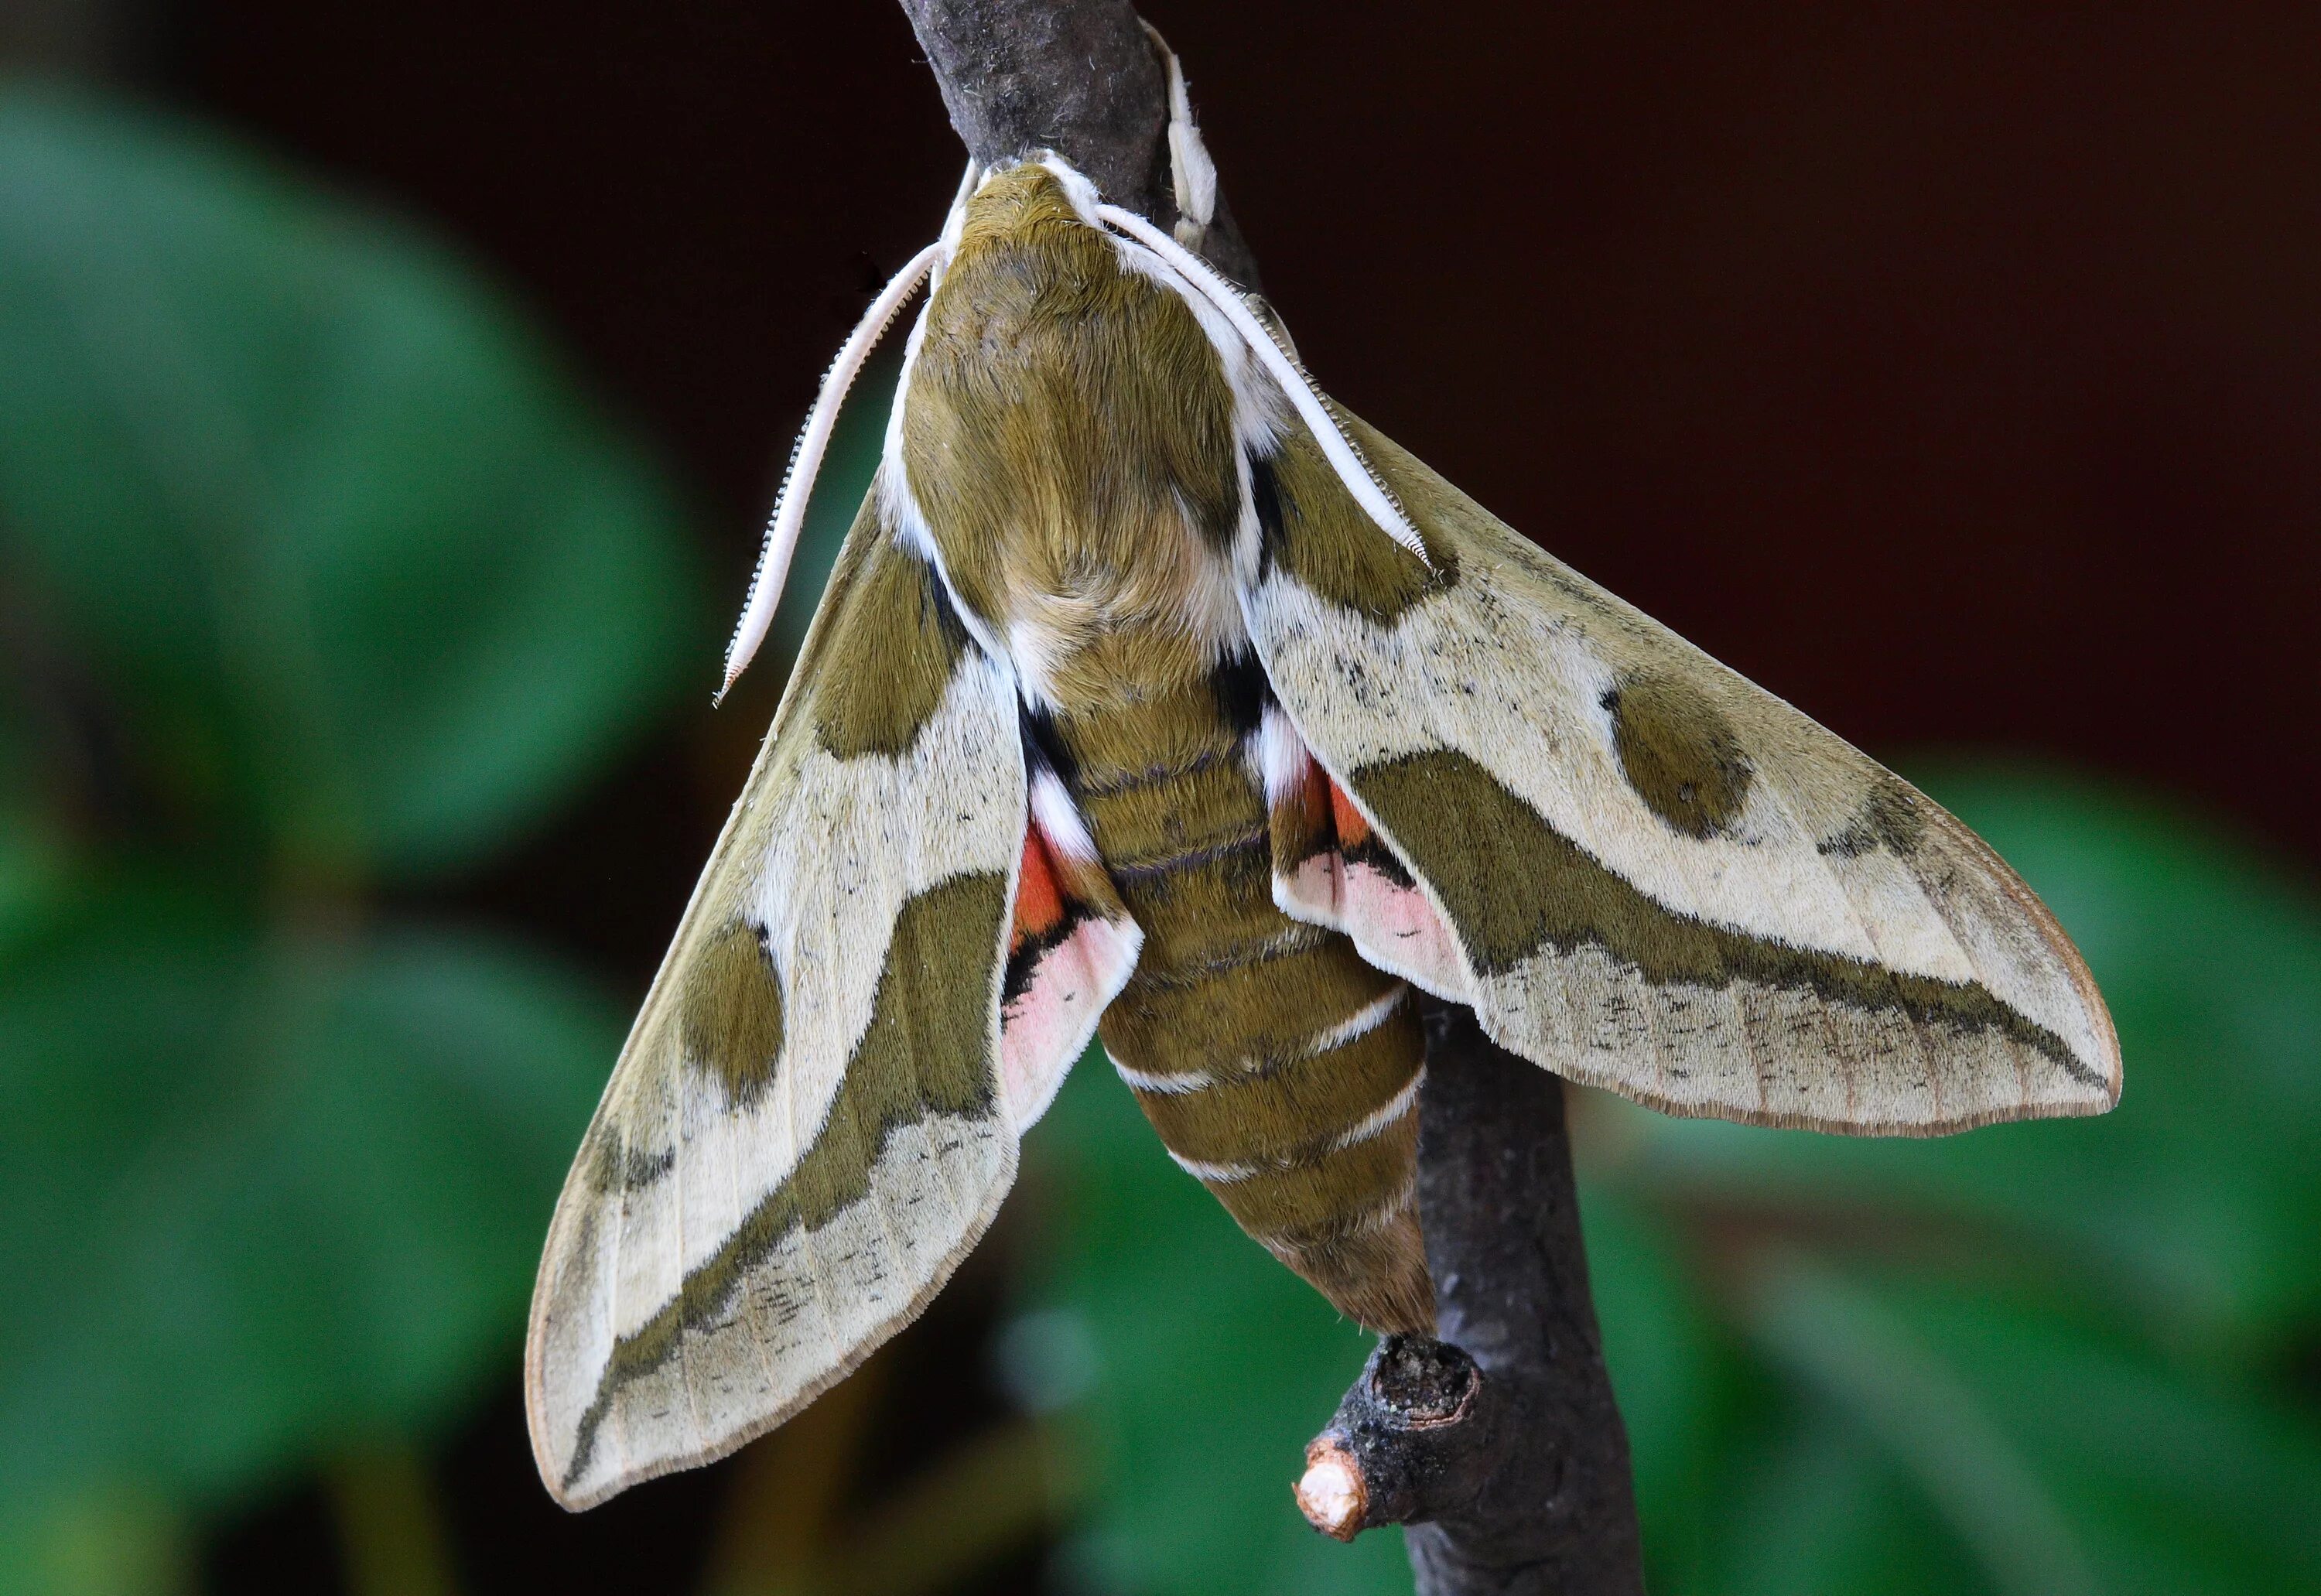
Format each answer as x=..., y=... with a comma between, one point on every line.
x=1644, y=873
x=1072, y=947
x=807, y=1129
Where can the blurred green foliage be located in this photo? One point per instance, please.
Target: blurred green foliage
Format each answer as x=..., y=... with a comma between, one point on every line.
x=317, y=585
x=315, y=580
x=2033, y=1360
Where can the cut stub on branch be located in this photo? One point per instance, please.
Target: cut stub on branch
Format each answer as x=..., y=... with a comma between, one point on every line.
x=1499, y=1445
x=1416, y=1434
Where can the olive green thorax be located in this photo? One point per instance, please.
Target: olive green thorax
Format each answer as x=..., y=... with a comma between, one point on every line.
x=1067, y=417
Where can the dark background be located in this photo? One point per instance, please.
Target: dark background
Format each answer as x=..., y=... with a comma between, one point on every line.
x=1950, y=370
x=1955, y=371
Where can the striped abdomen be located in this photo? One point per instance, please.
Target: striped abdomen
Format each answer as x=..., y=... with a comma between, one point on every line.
x=1279, y=1068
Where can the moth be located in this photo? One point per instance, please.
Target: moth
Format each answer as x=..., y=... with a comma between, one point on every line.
x=1155, y=696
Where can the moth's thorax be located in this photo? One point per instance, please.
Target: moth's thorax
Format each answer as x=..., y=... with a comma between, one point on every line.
x=1068, y=437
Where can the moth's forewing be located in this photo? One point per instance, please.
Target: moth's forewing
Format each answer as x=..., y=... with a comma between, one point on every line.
x=1644, y=873
x=805, y=1132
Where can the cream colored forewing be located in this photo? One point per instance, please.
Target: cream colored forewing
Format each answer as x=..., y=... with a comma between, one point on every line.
x=805, y=1133
x=1659, y=877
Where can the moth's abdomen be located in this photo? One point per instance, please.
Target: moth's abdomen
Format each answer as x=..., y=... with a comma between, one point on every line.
x=1279, y=1068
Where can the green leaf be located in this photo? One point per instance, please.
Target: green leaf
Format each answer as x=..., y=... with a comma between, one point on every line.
x=33, y=868
x=267, y=1192
x=1808, y=1508
x=1669, y=1369
x=94, y=1543
x=361, y=577
x=2063, y=1454
x=2179, y=1482
x=1926, y=1419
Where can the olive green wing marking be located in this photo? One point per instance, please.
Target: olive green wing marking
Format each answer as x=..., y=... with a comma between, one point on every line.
x=1644, y=873
x=804, y=1135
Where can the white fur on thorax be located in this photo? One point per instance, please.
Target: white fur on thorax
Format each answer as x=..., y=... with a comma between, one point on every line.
x=1058, y=819
x=1283, y=761
x=1045, y=630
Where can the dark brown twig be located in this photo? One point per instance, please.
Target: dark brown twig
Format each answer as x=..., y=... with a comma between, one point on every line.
x=1555, y=1510
x=1077, y=77
x=1499, y=1447
x=1500, y=1444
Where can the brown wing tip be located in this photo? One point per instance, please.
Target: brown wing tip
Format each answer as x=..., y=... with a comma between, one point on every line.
x=535, y=1415
x=2108, y=1062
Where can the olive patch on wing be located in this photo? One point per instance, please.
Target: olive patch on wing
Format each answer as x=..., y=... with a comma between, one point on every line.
x=614, y=1165
x=1311, y=525
x=1515, y=888
x=729, y=1011
x=893, y=656
x=1678, y=753
x=1892, y=817
x=926, y=1052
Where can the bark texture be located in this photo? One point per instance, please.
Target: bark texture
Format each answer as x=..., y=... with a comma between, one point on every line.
x=1555, y=1511
x=1081, y=77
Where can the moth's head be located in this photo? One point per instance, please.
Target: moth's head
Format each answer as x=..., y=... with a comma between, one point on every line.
x=1025, y=201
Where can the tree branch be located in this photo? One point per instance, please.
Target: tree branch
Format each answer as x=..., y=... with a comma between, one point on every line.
x=1556, y=1511
x=1080, y=78
x=1500, y=1445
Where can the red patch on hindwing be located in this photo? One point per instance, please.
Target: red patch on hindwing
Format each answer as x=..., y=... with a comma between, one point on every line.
x=1354, y=827
x=1071, y=951
x=1330, y=866
x=1039, y=902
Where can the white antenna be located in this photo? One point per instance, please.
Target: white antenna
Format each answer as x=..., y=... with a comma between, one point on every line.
x=788, y=519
